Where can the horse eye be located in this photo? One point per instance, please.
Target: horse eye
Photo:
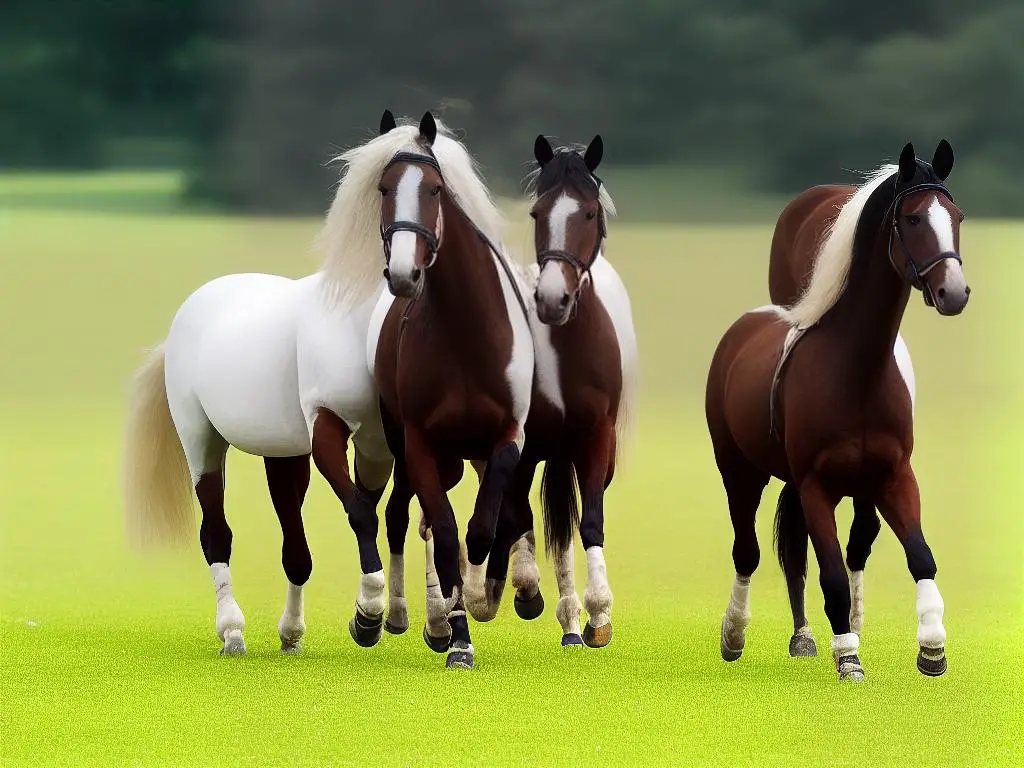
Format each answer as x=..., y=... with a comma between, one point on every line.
x=590, y=215
x=913, y=220
x=435, y=191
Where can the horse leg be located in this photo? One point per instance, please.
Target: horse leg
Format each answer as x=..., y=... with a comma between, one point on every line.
x=482, y=528
x=744, y=485
x=568, y=609
x=425, y=478
x=396, y=518
x=863, y=532
x=288, y=480
x=330, y=454
x=515, y=538
x=791, y=542
x=215, y=538
x=437, y=632
x=820, y=515
x=594, y=460
x=900, y=505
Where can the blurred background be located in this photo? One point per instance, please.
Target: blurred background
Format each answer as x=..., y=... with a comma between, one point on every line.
x=147, y=147
x=247, y=99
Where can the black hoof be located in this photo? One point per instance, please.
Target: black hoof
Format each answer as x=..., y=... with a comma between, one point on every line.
x=366, y=630
x=730, y=655
x=597, y=637
x=802, y=646
x=529, y=609
x=436, y=644
x=459, y=658
x=391, y=629
x=931, y=661
x=572, y=641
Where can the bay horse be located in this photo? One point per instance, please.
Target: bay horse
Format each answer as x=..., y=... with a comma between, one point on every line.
x=813, y=395
x=584, y=394
x=276, y=368
x=450, y=348
x=795, y=244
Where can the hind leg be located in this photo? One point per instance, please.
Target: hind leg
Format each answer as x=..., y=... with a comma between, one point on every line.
x=593, y=463
x=330, y=454
x=288, y=480
x=863, y=532
x=516, y=545
x=744, y=485
x=791, y=540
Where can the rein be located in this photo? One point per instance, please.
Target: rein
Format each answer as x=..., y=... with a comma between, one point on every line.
x=911, y=271
x=431, y=238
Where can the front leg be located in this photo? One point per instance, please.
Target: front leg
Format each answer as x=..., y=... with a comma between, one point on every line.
x=594, y=465
x=900, y=504
x=482, y=529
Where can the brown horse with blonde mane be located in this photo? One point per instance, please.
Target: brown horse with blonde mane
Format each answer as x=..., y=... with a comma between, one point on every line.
x=452, y=356
x=813, y=394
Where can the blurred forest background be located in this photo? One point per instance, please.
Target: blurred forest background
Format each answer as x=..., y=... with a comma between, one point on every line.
x=250, y=98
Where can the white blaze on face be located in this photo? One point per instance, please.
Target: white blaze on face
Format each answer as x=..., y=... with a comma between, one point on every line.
x=407, y=208
x=942, y=225
x=552, y=287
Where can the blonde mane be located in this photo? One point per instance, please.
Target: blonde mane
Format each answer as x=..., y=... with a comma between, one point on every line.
x=350, y=237
x=832, y=264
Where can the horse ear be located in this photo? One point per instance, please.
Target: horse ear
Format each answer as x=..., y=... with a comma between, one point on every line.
x=542, y=151
x=428, y=129
x=592, y=157
x=942, y=160
x=387, y=122
x=908, y=163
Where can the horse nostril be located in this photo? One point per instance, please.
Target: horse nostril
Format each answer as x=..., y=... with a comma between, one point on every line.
x=967, y=290
x=416, y=272
x=942, y=293
x=565, y=301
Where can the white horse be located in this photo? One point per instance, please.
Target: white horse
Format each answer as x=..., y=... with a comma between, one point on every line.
x=277, y=368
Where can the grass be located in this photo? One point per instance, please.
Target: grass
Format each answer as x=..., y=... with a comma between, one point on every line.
x=109, y=657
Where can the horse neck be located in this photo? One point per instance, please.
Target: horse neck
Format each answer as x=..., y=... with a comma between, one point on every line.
x=868, y=315
x=463, y=286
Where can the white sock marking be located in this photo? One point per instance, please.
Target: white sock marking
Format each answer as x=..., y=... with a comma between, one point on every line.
x=598, y=596
x=371, y=593
x=930, y=632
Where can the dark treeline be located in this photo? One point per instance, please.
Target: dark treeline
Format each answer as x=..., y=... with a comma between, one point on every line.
x=259, y=93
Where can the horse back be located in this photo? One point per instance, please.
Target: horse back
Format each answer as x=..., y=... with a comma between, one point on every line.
x=797, y=237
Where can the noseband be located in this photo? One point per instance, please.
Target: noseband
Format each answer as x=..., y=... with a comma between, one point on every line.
x=582, y=268
x=429, y=237
x=911, y=271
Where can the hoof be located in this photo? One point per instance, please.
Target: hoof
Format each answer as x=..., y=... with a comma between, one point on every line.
x=436, y=644
x=234, y=644
x=850, y=669
x=365, y=630
x=529, y=609
x=291, y=647
x=931, y=661
x=802, y=646
x=572, y=641
x=394, y=629
x=729, y=654
x=597, y=637
x=460, y=657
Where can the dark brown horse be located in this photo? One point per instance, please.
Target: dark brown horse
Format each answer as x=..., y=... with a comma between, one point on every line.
x=794, y=249
x=813, y=395
x=584, y=391
x=453, y=358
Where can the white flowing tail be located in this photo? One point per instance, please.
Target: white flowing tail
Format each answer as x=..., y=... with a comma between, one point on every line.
x=156, y=481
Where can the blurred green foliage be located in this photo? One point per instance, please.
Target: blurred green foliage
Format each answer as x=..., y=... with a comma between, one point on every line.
x=253, y=96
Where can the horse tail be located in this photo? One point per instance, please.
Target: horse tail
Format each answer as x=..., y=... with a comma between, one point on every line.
x=155, y=478
x=558, y=500
x=791, y=534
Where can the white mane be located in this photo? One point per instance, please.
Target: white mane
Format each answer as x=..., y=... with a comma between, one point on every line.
x=832, y=264
x=350, y=238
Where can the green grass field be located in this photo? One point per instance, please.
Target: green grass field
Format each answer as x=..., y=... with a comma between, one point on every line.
x=110, y=657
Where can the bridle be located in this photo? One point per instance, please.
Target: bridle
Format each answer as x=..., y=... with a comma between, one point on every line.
x=911, y=271
x=582, y=268
x=429, y=236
